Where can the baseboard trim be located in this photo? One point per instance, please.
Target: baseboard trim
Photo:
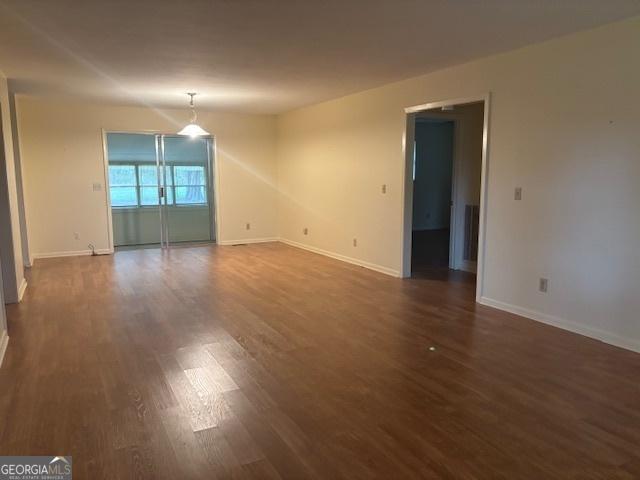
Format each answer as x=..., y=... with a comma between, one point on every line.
x=21, y=290
x=344, y=258
x=469, y=266
x=595, y=333
x=248, y=240
x=4, y=342
x=70, y=253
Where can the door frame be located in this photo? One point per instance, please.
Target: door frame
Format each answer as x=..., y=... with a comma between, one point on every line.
x=213, y=179
x=407, y=193
x=455, y=170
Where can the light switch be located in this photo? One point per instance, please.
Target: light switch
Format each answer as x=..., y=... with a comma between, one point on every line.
x=97, y=187
x=518, y=193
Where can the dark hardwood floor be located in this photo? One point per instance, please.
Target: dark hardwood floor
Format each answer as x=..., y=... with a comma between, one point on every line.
x=269, y=362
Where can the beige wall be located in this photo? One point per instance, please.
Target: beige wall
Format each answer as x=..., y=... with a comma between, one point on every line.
x=565, y=117
x=10, y=242
x=62, y=155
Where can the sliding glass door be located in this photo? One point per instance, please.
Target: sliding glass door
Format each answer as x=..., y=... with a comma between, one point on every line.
x=187, y=205
x=133, y=189
x=160, y=189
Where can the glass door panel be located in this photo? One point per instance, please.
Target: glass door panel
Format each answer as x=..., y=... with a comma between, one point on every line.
x=187, y=203
x=133, y=188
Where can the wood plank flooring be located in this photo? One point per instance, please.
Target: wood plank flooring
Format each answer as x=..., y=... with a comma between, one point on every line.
x=269, y=362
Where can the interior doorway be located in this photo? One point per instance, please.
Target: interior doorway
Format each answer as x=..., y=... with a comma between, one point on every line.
x=433, y=218
x=160, y=189
x=446, y=161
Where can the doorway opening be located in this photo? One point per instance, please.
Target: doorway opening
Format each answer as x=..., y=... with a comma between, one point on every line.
x=432, y=194
x=160, y=189
x=446, y=152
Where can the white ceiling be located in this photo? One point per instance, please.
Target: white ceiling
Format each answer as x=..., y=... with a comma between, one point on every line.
x=264, y=56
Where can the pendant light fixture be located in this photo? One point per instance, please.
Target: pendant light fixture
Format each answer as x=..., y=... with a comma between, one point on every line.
x=193, y=129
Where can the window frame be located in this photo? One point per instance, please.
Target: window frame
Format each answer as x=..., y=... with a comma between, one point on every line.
x=172, y=186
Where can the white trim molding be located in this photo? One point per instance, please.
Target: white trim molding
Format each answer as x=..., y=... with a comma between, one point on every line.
x=591, y=332
x=71, y=253
x=344, y=258
x=4, y=342
x=245, y=241
x=22, y=288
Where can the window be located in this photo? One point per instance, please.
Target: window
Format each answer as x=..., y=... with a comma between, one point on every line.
x=148, y=181
x=136, y=184
x=190, y=184
x=123, y=183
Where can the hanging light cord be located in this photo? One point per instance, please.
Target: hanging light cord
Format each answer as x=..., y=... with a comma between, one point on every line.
x=193, y=129
x=194, y=115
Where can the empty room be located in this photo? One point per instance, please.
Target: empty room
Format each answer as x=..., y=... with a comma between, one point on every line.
x=320, y=240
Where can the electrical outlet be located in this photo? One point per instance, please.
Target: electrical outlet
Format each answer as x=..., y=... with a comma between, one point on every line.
x=248, y=226
x=543, y=285
x=76, y=235
x=355, y=242
x=305, y=230
x=384, y=188
x=517, y=195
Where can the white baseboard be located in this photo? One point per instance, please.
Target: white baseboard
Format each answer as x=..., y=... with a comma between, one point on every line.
x=469, y=266
x=70, y=253
x=4, y=342
x=595, y=333
x=244, y=241
x=344, y=258
x=21, y=290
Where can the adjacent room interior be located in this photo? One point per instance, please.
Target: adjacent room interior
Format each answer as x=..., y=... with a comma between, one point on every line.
x=446, y=173
x=313, y=240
